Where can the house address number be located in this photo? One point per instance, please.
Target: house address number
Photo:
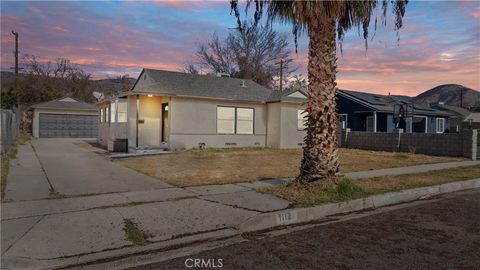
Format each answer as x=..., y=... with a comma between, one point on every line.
x=286, y=217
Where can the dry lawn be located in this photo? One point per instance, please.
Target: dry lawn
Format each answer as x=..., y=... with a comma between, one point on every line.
x=221, y=166
x=394, y=183
x=317, y=193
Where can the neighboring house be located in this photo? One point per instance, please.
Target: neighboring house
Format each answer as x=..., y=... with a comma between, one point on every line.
x=471, y=121
x=361, y=111
x=176, y=110
x=64, y=118
x=459, y=114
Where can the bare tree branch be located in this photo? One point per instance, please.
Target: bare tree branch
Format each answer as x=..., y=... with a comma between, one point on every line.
x=252, y=52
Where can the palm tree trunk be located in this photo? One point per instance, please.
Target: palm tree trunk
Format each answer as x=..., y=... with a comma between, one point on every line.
x=320, y=157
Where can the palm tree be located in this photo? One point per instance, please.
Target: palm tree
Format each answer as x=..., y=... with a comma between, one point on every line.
x=322, y=21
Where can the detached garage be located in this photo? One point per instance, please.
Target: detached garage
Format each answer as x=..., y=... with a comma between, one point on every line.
x=65, y=118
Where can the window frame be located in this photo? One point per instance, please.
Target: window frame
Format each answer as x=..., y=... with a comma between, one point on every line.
x=118, y=111
x=253, y=120
x=107, y=114
x=235, y=119
x=443, y=125
x=102, y=115
x=304, y=120
x=113, y=112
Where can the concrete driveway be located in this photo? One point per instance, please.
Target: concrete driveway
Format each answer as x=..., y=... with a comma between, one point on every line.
x=46, y=166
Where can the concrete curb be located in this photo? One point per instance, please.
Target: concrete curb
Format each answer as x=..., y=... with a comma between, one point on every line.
x=303, y=215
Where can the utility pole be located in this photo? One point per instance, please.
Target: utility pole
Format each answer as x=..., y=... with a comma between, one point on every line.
x=461, y=98
x=281, y=74
x=16, y=53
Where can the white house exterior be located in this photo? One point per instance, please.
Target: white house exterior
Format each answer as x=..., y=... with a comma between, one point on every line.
x=175, y=111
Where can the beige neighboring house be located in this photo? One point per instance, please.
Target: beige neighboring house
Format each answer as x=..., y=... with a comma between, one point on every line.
x=472, y=121
x=64, y=118
x=174, y=110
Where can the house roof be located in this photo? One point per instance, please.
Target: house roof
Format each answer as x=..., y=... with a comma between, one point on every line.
x=384, y=103
x=474, y=116
x=65, y=103
x=294, y=95
x=201, y=86
x=456, y=110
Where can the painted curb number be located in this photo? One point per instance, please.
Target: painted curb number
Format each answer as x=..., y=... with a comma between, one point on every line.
x=286, y=217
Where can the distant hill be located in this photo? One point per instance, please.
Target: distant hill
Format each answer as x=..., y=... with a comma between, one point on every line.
x=450, y=94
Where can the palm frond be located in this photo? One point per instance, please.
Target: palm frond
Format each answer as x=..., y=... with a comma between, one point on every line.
x=304, y=14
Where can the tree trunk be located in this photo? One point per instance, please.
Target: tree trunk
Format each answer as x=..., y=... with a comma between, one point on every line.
x=320, y=156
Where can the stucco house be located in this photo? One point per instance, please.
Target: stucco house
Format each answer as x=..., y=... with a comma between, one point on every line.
x=175, y=110
x=362, y=111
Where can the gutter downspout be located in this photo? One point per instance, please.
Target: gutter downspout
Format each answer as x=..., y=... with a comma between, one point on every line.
x=136, y=122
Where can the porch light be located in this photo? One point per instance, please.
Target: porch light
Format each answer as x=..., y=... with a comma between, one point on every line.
x=150, y=95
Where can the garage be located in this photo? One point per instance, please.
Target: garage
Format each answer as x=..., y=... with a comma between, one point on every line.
x=65, y=118
x=68, y=125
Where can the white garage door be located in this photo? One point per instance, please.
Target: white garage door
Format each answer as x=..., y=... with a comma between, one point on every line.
x=68, y=126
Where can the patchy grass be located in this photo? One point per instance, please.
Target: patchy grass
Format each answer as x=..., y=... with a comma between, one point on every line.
x=134, y=234
x=221, y=166
x=318, y=193
x=5, y=161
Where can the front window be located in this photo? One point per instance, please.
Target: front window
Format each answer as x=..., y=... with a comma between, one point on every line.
x=112, y=113
x=122, y=111
x=102, y=116
x=226, y=120
x=244, y=121
x=301, y=121
x=440, y=125
x=231, y=120
x=107, y=118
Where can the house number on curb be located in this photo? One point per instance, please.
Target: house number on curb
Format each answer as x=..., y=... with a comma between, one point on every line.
x=286, y=217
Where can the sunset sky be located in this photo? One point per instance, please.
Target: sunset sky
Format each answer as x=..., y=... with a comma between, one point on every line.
x=439, y=43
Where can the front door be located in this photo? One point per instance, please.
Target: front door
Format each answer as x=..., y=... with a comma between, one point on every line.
x=164, y=122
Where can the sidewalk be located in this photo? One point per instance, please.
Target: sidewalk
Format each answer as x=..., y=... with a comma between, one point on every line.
x=49, y=231
x=55, y=232
x=411, y=169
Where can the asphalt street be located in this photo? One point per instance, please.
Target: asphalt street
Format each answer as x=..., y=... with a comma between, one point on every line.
x=439, y=234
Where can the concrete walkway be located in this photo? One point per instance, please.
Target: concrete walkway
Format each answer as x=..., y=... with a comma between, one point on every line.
x=26, y=179
x=411, y=169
